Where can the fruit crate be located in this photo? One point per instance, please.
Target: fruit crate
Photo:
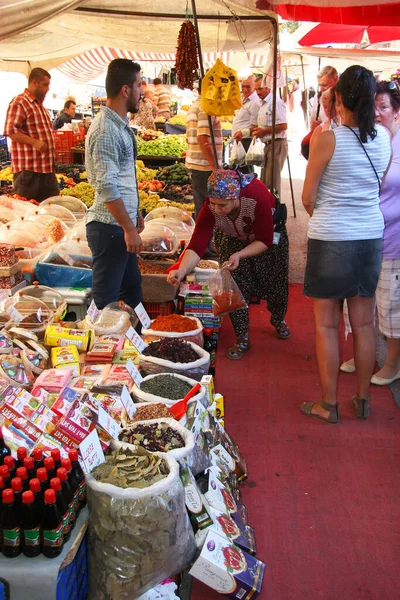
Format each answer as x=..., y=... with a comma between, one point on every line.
x=65, y=140
x=157, y=309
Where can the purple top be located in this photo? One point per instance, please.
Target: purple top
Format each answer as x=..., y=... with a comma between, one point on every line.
x=390, y=203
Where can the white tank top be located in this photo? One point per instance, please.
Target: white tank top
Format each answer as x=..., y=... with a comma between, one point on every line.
x=347, y=206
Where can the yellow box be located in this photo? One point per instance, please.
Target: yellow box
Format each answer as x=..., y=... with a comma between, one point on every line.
x=66, y=356
x=219, y=407
x=60, y=336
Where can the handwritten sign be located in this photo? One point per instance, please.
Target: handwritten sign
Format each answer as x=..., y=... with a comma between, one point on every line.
x=93, y=311
x=108, y=423
x=128, y=403
x=3, y=295
x=91, y=452
x=134, y=372
x=14, y=314
x=143, y=316
x=135, y=339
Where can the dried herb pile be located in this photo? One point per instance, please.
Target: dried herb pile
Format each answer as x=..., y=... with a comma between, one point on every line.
x=155, y=437
x=186, y=61
x=127, y=469
x=176, y=351
x=166, y=386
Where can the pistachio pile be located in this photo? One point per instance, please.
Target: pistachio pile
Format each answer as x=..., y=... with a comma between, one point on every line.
x=127, y=469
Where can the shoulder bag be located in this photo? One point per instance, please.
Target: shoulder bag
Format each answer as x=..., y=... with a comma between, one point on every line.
x=367, y=155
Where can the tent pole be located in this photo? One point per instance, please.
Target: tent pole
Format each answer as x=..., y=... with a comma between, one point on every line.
x=210, y=125
x=305, y=94
x=274, y=82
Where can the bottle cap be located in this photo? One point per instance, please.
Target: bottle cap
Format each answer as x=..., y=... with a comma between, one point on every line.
x=49, y=496
x=66, y=463
x=73, y=455
x=29, y=463
x=8, y=496
x=1, y=483
x=55, y=484
x=55, y=453
x=22, y=472
x=16, y=484
x=37, y=454
x=28, y=497
x=49, y=463
x=21, y=453
x=4, y=472
x=62, y=474
x=34, y=484
x=9, y=462
x=41, y=474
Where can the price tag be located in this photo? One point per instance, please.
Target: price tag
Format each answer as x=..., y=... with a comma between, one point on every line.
x=68, y=259
x=143, y=316
x=14, y=314
x=128, y=403
x=3, y=295
x=135, y=339
x=108, y=423
x=93, y=311
x=134, y=372
x=91, y=452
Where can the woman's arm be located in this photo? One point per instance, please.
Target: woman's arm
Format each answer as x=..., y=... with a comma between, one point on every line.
x=252, y=249
x=321, y=153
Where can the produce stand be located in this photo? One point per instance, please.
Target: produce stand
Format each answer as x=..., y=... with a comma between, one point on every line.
x=160, y=161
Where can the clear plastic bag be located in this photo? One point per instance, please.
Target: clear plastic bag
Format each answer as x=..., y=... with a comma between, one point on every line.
x=137, y=537
x=255, y=153
x=238, y=154
x=158, y=239
x=225, y=293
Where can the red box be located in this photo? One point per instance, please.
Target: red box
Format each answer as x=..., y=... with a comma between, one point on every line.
x=155, y=309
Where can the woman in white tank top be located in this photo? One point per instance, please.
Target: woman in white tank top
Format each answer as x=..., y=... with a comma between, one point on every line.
x=341, y=195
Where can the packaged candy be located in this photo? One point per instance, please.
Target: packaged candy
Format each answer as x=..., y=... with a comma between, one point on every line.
x=66, y=356
x=60, y=336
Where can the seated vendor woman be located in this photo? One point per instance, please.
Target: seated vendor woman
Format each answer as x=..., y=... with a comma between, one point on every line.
x=243, y=232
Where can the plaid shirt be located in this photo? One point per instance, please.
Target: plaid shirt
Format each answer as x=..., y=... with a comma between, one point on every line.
x=110, y=154
x=27, y=115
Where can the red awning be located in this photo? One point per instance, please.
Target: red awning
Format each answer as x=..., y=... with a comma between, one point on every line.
x=328, y=33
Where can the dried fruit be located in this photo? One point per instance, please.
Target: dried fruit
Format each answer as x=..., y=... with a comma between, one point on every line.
x=155, y=437
x=127, y=469
x=186, y=56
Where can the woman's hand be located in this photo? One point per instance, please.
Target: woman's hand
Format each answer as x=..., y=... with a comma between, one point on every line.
x=176, y=276
x=233, y=262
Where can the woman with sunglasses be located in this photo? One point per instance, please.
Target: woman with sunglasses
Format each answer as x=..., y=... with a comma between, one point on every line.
x=240, y=217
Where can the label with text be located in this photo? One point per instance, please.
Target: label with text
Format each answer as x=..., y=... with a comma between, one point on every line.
x=91, y=452
x=108, y=423
x=128, y=403
x=135, y=339
x=143, y=316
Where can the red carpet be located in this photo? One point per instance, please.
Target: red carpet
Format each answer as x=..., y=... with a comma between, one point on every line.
x=323, y=499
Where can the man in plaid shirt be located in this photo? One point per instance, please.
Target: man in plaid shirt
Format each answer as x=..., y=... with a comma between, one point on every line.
x=29, y=127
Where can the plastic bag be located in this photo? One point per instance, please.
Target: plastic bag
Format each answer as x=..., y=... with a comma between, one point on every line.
x=137, y=537
x=225, y=293
x=238, y=154
x=255, y=153
x=146, y=397
x=195, y=336
x=151, y=365
x=220, y=91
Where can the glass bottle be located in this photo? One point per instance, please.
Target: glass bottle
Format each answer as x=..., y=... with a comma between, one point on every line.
x=55, y=484
x=52, y=526
x=10, y=526
x=30, y=526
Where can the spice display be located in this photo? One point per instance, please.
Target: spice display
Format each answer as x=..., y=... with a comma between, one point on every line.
x=186, y=61
x=207, y=264
x=125, y=469
x=155, y=437
x=227, y=302
x=7, y=255
x=176, y=351
x=176, y=323
x=147, y=268
x=153, y=411
x=166, y=386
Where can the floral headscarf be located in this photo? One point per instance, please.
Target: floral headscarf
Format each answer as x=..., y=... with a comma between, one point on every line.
x=225, y=184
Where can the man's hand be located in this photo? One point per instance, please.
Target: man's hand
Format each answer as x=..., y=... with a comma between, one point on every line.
x=40, y=146
x=140, y=224
x=258, y=132
x=315, y=124
x=238, y=136
x=132, y=240
x=176, y=276
x=233, y=261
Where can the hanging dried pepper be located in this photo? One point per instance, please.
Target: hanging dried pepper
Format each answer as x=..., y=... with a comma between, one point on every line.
x=186, y=56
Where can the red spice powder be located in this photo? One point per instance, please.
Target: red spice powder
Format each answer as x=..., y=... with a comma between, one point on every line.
x=227, y=302
x=175, y=323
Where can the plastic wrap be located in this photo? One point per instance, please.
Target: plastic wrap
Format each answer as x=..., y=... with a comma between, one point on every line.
x=194, y=370
x=55, y=210
x=68, y=264
x=70, y=253
x=158, y=239
x=195, y=336
x=74, y=205
x=181, y=230
x=137, y=537
x=78, y=232
x=40, y=231
x=18, y=206
x=48, y=295
x=225, y=293
x=116, y=317
x=146, y=397
x=6, y=214
x=28, y=313
x=54, y=226
x=170, y=212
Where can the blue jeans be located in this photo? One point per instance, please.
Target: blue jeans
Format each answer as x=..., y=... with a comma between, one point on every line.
x=116, y=274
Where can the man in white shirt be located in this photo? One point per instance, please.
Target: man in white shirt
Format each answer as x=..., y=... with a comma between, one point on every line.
x=263, y=130
x=246, y=117
x=327, y=78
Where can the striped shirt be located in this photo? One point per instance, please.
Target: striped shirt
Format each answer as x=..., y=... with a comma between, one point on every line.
x=197, y=124
x=162, y=99
x=27, y=115
x=110, y=154
x=265, y=116
x=347, y=206
x=246, y=116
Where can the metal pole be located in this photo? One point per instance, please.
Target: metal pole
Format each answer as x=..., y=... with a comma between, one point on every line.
x=274, y=82
x=210, y=125
x=305, y=93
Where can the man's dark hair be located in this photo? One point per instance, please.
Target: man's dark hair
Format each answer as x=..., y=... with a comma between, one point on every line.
x=68, y=103
x=121, y=71
x=157, y=81
x=37, y=74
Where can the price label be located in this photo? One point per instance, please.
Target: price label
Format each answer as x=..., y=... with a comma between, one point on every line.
x=14, y=314
x=3, y=295
x=143, y=316
x=108, y=423
x=68, y=259
x=93, y=311
x=134, y=372
x=91, y=452
x=135, y=339
x=128, y=403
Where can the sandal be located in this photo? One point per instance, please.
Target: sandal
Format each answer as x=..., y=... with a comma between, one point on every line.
x=236, y=352
x=282, y=329
x=362, y=406
x=333, y=419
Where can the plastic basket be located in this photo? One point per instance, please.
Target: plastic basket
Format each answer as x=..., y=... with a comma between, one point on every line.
x=65, y=140
x=72, y=583
x=156, y=309
x=63, y=156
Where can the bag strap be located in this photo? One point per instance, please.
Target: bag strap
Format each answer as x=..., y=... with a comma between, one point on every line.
x=371, y=163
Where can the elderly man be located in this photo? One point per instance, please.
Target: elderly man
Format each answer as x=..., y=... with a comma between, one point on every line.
x=327, y=78
x=246, y=117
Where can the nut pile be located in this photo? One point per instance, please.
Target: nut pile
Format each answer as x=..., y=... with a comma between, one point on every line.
x=147, y=268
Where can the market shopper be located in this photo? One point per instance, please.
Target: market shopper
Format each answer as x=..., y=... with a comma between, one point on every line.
x=66, y=116
x=327, y=78
x=147, y=112
x=341, y=195
x=162, y=99
x=28, y=125
x=113, y=223
x=246, y=117
x=241, y=218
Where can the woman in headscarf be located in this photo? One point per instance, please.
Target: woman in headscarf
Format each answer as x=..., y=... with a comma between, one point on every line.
x=240, y=216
